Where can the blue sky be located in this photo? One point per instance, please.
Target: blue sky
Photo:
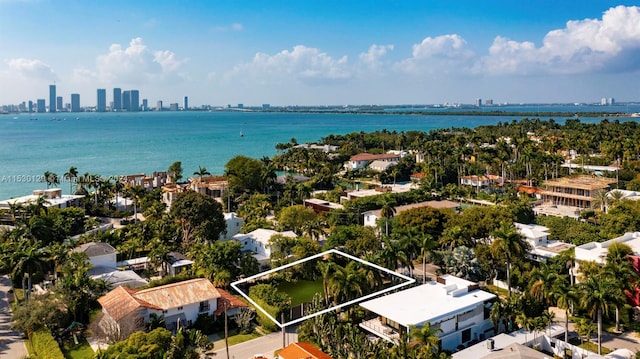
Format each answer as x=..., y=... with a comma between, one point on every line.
x=322, y=52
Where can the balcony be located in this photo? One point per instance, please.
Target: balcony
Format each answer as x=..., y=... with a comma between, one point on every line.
x=383, y=331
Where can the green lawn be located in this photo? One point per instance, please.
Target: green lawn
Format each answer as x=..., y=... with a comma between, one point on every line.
x=81, y=351
x=235, y=339
x=301, y=291
x=593, y=347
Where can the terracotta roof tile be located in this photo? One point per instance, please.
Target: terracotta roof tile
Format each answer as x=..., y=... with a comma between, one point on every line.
x=234, y=302
x=302, y=351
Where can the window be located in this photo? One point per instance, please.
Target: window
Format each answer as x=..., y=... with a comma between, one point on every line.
x=180, y=308
x=466, y=335
x=204, y=306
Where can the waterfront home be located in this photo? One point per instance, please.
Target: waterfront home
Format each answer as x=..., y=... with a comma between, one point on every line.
x=53, y=197
x=257, y=242
x=387, y=188
x=213, y=186
x=480, y=181
x=362, y=160
x=127, y=310
x=169, y=193
x=455, y=306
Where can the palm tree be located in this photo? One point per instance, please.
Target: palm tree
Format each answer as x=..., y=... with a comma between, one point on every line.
x=619, y=270
x=425, y=339
x=426, y=245
x=542, y=281
x=456, y=236
x=564, y=296
x=28, y=259
x=201, y=172
x=600, y=200
x=387, y=212
x=508, y=244
x=596, y=296
x=71, y=175
x=392, y=255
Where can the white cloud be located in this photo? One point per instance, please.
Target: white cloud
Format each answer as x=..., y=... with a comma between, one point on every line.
x=30, y=68
x=611, y=44
x=443, y=53
x=371, y=58
x=136, y=64
x=236, y=26
x=306, y=64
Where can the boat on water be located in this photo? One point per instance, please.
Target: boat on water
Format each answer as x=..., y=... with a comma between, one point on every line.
x=241, y=134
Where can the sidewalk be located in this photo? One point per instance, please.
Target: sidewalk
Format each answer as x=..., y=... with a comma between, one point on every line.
x=11, y=342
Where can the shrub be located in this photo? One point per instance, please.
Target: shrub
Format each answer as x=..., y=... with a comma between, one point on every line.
x=44, y=345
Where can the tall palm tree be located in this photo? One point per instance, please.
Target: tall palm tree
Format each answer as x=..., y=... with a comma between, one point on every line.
x=619, y=270
x=71, y=175
x=426, y=245
x=596, y=296
x=508, y=244
x=564, y=296
x=387, y=212
x=28, y=259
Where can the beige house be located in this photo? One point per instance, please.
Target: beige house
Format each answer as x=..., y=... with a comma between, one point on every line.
x=574, y=191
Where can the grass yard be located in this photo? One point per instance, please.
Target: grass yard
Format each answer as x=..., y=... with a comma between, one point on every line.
x=593, y=347
x=80, y=351
x=301, y=291
x=235, y=338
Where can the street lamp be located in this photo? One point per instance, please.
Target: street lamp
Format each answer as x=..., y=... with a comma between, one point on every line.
x=225, y=302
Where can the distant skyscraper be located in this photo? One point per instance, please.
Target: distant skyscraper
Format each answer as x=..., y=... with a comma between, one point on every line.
x=30, y=106
x=159, y=106
x=75, y=102
x=59, y=103
x=145, y=104
x=52, y=98
x=478, y=102
x=126, y=100
x=135, y=100
x=41, y=106
x=186, y=103
x=173, y=106
x=117, y=99
x=102, y=100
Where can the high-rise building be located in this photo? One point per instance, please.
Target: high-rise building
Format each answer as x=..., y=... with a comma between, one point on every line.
x=173, y=106
x=126, y=100
x=135, y=101
x=102, y=100
x=41, y=106
x=159, y=105
x=478, y=102
x=117, y=99
x=59, y=105
x=52, y=98
x=145, y=104
x=186, y=103
x=30, y=106
x=75, y=102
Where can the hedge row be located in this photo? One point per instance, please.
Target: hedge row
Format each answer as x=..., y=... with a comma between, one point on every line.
x=45, y=345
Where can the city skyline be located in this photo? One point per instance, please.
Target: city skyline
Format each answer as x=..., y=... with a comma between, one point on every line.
x=322, y=53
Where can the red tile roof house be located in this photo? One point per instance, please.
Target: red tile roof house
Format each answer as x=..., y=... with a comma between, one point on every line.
x=362, y=160
x=127, y=310
x=302, y=350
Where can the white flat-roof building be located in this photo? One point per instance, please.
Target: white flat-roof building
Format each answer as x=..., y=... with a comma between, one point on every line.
x=597, y=252
x=387, y=188
x=53, y=198
x=541, y=247
x=258, y=242
x=371, y=217
x=456, y=306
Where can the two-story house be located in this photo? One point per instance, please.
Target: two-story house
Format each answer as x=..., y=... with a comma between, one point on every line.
x=455, y=306
x=127, y=310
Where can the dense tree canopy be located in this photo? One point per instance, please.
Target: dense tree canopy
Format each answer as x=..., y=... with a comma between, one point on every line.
x=200, y=216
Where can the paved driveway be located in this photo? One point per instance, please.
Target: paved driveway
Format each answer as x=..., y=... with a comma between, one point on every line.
x=11, y=343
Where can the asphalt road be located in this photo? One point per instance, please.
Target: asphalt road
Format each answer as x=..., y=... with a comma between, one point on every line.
x=265, y=345
x=11, y=343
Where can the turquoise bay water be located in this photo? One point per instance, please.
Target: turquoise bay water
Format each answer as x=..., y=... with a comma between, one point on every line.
x=112, y=144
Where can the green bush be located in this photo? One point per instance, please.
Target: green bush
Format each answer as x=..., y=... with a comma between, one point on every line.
x=44, y=345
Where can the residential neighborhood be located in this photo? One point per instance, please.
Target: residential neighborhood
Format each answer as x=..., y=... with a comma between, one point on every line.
x=474, y=251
